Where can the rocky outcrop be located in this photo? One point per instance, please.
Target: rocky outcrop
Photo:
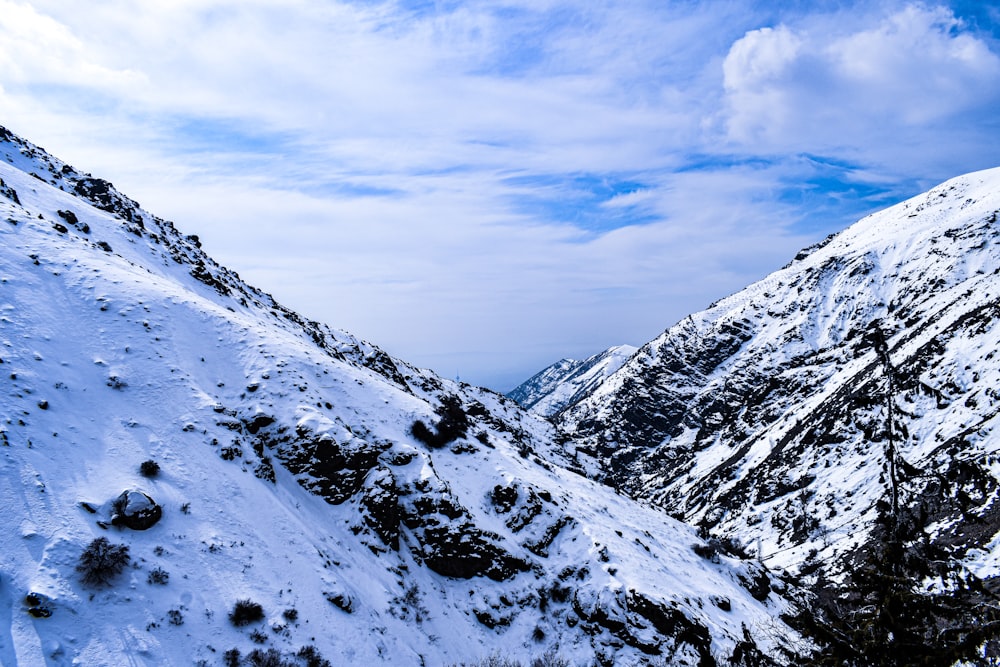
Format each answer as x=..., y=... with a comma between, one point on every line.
x=135, y=510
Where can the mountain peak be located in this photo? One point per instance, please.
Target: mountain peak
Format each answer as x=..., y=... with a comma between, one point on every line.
x=772, y=417
x=561, y=384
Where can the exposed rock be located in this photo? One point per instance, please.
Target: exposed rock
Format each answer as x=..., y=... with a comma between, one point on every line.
x=38, y=605
x=135, y=510
x=380, y=506
x=451, y=544
x=333, y=469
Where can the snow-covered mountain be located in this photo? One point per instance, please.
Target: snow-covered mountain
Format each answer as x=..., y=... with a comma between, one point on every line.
x=376, y=513
x=567, y=381
x=782, y=414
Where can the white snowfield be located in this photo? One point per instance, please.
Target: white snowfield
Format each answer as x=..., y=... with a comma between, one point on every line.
x=287, y=469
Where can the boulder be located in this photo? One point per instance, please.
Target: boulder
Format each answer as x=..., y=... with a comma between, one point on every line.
x=135, y=510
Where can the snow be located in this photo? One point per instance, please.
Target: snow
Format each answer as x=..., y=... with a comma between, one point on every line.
x=564, y=382
x=926, y=273
x=152, y=351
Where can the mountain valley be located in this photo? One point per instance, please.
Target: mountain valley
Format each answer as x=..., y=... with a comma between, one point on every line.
x=193, y=473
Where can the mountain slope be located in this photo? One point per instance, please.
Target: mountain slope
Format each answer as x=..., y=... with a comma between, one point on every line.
x=290, y=475
x=567, y=381
x=772, y=416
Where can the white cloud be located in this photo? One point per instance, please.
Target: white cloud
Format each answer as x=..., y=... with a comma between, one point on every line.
x=459, y=182
x=916, y=66
x=755, y=71
x=823, y=87
x=36, y=49
x=760, y=58
x=629, y=199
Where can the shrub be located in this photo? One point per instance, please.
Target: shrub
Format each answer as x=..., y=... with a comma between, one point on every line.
x=454, y=424
x=176, y=617
x=421, y=432
x=246, y=612
x=494, y=660
x=102, y=561
x=312, y=657
x=291, y=615
x=709, y=550
x=149, y=468
x=549, y=659
x=269, y=658
x=231, y=658
x=258, y=637
x=734, y=547
x=158, y=576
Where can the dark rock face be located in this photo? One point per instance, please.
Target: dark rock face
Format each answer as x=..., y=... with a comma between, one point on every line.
x=653, y=627
x=9, y=193
x=104, y=196
x=839, y=404
x=662, y=401
x=259, y=422
x=449, y=541
x=443, y=533
x=380, y=506
x=463, y=551
x=135, y=510
x=332, y=469
x=783, y=383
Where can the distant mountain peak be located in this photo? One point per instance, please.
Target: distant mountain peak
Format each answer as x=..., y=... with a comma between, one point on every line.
x=558, y=386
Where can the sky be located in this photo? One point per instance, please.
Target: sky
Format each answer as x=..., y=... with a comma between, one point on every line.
x=484, y=187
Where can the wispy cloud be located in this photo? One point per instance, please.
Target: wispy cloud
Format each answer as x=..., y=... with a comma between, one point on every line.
x=485, y=187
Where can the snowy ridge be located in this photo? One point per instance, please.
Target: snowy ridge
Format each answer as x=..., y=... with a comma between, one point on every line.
x=567, y=381
x=765, y=417
x=289, y=475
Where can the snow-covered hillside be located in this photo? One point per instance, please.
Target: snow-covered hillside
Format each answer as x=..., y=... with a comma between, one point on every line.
x=567, y=381
x=289, y=475
x=769, y=416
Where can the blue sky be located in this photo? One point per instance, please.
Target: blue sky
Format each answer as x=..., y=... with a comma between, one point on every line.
x=485, y=187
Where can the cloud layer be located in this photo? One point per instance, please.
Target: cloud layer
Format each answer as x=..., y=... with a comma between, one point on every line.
x=485, y=187
x=907, y=72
